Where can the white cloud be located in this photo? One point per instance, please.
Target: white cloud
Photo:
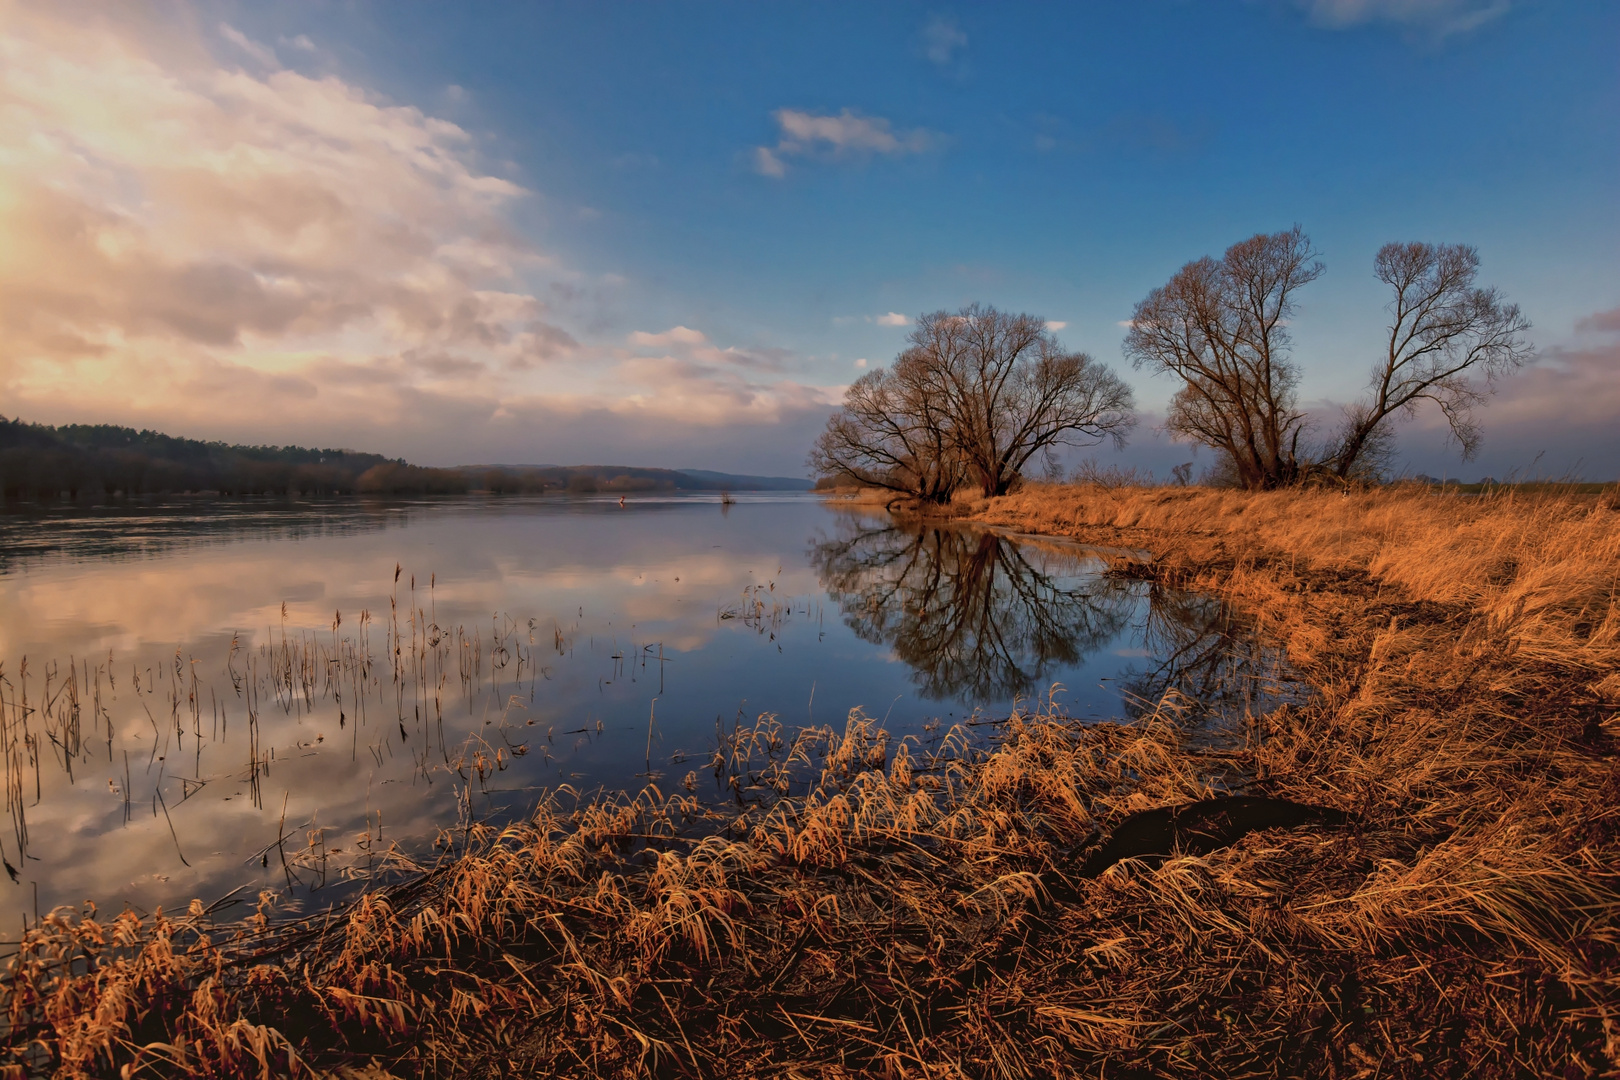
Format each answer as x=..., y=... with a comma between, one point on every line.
x=262, y=53
x=942, y=38
x=1441, y=17
x=1053, y=324
x=861, y=362
x=893, y=318
x=845, y=135
x=847, y=131
x=675, y=335
x=766, y=163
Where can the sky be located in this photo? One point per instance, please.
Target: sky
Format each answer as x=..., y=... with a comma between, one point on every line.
x=671, y=234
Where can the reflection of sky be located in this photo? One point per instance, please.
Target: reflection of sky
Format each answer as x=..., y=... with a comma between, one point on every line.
x=612, y=580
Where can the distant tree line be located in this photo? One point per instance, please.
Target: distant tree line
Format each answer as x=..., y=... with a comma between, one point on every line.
x=979, y=397
x=95, y=461
x=38, y=461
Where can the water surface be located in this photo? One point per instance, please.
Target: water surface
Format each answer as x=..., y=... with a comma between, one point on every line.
x=184, y=686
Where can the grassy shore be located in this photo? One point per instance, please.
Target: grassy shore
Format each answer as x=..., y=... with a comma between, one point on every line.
x=864, y=908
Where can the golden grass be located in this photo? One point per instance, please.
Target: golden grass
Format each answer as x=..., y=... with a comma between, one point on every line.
x=865, y=908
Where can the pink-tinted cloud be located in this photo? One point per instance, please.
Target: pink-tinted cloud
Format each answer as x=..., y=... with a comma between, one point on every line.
x=1603, y=322
x=1558, y=415
x=200, y=239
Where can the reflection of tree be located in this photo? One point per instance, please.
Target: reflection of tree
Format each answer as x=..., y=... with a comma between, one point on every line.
x=1197, y=647
x=973, y=617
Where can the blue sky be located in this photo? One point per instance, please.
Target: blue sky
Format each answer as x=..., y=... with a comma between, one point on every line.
x=681, y=226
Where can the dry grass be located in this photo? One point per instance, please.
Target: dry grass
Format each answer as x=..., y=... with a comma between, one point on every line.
x=865, y=908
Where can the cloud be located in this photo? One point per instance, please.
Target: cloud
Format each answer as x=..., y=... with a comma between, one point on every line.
x=1554, y=416
x=262, y=53
x=1603, y=322
x=1440, y=17
x=167, y=215
x=1055, y=325
x=766, y=163
x=942, y=39
x=683, y=335
x=891, y=318
x=861, y=362
x=846, y=135
x=268, y=257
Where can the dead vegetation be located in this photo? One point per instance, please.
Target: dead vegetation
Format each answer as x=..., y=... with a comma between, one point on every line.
x=868, y=908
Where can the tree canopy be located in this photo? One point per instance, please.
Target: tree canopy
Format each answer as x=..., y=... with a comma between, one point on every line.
x=1221, y=327
x=976, y=396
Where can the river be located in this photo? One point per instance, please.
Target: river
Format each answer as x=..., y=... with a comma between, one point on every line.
x=200, y=697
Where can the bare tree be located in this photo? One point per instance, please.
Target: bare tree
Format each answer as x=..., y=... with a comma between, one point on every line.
x=976, y=396
x=892, y=433
x=1011, y=391
x=1221, y=327
x=1444, y=333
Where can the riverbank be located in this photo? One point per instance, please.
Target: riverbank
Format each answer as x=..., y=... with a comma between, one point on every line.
x=927, y=914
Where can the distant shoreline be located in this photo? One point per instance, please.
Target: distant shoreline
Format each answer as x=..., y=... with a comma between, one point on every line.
x=41, y=463
x=272, y=500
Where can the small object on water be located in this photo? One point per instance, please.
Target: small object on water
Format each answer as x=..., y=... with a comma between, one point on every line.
x=621, y=500
x=1201, y=827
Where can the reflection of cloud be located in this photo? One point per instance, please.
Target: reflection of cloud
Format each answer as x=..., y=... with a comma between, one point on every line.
x=617, y=583
x=844, y=135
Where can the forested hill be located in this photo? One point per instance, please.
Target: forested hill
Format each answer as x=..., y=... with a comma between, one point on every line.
x=79, y=461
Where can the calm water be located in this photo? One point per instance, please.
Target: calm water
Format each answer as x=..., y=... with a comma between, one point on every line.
x=182, y=684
